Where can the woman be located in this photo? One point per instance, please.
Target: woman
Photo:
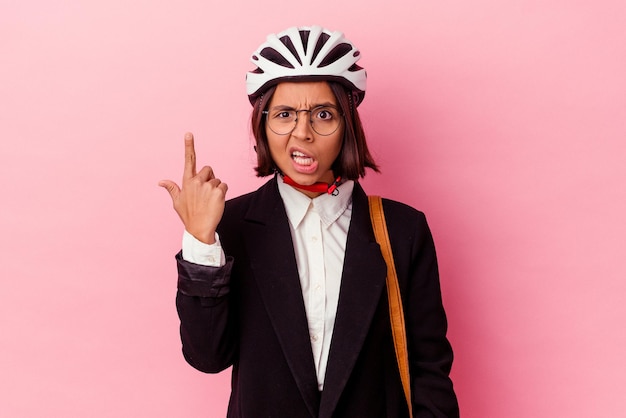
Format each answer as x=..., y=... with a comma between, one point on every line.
x=291, y=292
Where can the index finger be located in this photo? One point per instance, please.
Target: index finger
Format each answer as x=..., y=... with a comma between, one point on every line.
x=190, y=157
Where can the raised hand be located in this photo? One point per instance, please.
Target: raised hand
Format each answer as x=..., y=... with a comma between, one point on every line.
x=200, y=202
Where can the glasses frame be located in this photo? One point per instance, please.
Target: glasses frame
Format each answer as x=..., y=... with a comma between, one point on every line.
x=309, y=111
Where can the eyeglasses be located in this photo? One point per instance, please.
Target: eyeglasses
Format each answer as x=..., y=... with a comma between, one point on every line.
x=325, y=120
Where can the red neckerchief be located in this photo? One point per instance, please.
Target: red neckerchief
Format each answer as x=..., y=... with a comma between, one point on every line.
x=319, y=187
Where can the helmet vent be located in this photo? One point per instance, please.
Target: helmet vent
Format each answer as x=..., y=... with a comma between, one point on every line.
x=272, y=55
x=321, y=41
x=354, y=68
x=286, y=40
x=304, y=37
x=335, y=54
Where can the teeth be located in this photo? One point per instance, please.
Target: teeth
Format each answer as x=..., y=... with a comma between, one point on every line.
x=301, y=158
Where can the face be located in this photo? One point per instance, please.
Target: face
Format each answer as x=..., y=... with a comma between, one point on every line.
x=303, y=154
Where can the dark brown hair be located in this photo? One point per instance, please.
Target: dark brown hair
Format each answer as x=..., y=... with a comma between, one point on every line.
x=354, y=156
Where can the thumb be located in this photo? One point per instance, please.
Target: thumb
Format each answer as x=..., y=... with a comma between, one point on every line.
x=171, y=187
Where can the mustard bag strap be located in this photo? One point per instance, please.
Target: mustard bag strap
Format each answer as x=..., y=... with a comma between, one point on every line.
x=396, y=312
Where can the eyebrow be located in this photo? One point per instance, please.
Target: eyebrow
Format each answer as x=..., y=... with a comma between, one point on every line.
x=285, y=107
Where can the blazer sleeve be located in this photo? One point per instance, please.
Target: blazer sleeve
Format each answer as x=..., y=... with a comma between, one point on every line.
x=206, y=321
x=430, y=353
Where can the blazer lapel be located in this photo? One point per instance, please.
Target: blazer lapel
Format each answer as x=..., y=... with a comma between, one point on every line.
x=362, y=283
x=271, y=252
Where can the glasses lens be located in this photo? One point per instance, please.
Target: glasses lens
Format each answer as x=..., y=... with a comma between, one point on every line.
x=281, y=121
x=324, y=120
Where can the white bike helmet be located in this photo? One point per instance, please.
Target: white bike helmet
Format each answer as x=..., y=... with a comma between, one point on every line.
x=306, y=54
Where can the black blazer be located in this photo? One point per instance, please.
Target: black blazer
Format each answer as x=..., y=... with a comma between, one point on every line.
x=250, y=314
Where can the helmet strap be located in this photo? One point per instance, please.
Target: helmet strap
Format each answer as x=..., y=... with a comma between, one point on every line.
x=319, y=187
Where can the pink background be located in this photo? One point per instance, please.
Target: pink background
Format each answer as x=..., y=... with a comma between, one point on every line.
x=505, y=121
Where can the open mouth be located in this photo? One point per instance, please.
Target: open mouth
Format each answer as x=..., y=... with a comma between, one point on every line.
x=303, y=163
x=301, y=158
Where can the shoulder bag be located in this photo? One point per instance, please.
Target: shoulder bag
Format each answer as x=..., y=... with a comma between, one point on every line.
x=396, y=312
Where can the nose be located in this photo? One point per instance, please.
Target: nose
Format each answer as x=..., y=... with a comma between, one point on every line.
x=303, y=128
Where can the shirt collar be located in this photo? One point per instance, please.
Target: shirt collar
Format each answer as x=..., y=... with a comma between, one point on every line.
x=329, y=207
